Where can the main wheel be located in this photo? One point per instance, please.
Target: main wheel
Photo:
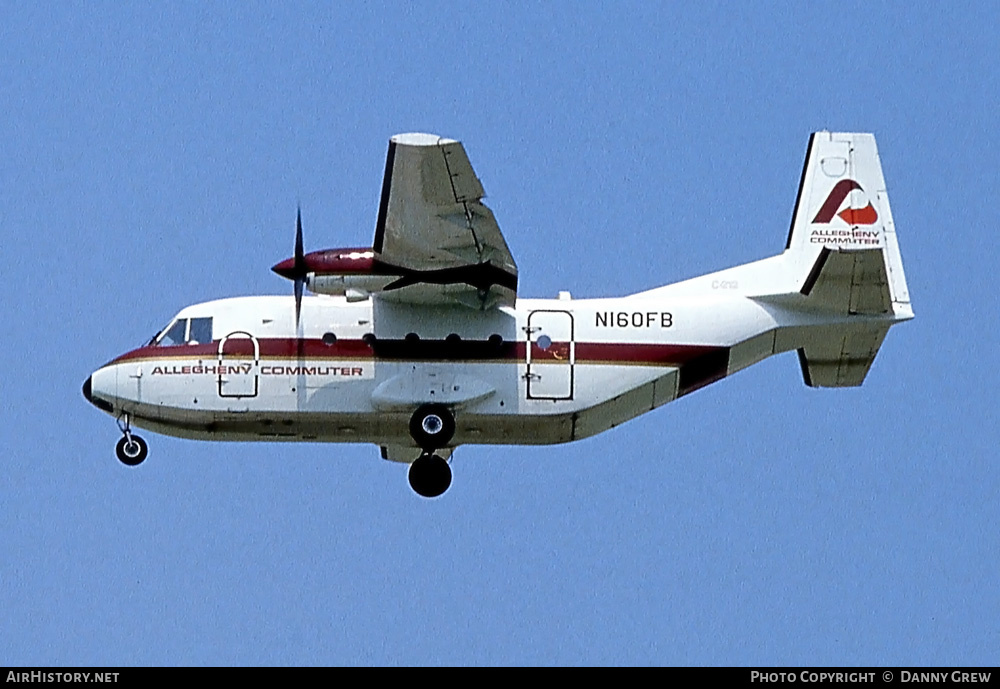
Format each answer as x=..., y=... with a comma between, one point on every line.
x=429, y=476
x=432, y=426
x=131, y=452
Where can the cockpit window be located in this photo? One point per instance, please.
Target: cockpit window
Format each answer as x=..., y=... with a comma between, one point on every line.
x=201, y=331
x=187, y=330
x=175, y=334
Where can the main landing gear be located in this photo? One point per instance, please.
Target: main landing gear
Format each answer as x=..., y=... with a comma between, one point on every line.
x=432, y=426
x=131, y=449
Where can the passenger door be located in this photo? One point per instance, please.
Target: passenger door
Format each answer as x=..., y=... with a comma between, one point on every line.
x=551, y=354
x=239, y=365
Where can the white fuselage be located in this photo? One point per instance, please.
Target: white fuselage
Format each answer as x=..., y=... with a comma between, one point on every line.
x=546, y=371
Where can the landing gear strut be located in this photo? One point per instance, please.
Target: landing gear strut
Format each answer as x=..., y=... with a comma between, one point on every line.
x=431, y=426
x=131, y=449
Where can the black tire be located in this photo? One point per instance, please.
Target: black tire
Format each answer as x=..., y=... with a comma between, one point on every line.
x=432, y=426
x=132, y=453
x=429, y=476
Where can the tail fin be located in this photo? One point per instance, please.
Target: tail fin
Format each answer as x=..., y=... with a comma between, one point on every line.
x=843, y=244
x=843, y=208
x=841, y=253
x=840, y=280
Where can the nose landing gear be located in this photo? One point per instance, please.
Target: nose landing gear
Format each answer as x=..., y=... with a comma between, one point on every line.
x=431, y=426
x=131, y=449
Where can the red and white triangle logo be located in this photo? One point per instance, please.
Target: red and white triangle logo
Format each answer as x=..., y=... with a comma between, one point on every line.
x=840, y=193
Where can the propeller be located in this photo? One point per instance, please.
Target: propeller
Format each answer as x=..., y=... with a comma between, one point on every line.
x=299, y=267
x=295, y=268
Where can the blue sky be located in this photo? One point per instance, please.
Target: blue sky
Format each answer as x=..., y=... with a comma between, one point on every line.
x=152, y=157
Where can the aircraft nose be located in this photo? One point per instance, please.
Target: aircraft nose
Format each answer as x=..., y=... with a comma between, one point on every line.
x=88, y=393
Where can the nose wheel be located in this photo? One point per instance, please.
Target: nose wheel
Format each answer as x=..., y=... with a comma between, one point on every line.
x=131, y=449
x=432, y=426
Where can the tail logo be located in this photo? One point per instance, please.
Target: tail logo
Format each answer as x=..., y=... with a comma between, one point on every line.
x=852, y=216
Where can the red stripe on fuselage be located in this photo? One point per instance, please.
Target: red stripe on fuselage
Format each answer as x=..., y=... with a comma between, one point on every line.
x=611, y=353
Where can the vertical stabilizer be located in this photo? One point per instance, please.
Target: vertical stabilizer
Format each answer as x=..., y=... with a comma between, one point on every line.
x=843, y=206
x=843, y=243
x=842, y=235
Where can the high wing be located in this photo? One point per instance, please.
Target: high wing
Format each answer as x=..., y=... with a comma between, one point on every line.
x=433, y=226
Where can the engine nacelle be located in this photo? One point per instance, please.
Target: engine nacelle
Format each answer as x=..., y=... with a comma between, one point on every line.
x=353, y=273
x=354, y=287
x=357, y=274
x=331, y=262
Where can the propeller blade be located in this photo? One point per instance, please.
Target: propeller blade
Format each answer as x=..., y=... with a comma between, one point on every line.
x=299, y=283
x=300, y=266
x=300, y=261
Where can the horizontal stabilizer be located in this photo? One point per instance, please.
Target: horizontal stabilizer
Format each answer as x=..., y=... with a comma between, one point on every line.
x=840, y=362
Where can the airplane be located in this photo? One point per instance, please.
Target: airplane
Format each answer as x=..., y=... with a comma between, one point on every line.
x=420, y=344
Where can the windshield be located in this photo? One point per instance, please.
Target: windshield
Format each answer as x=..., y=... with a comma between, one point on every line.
x=185, y=331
